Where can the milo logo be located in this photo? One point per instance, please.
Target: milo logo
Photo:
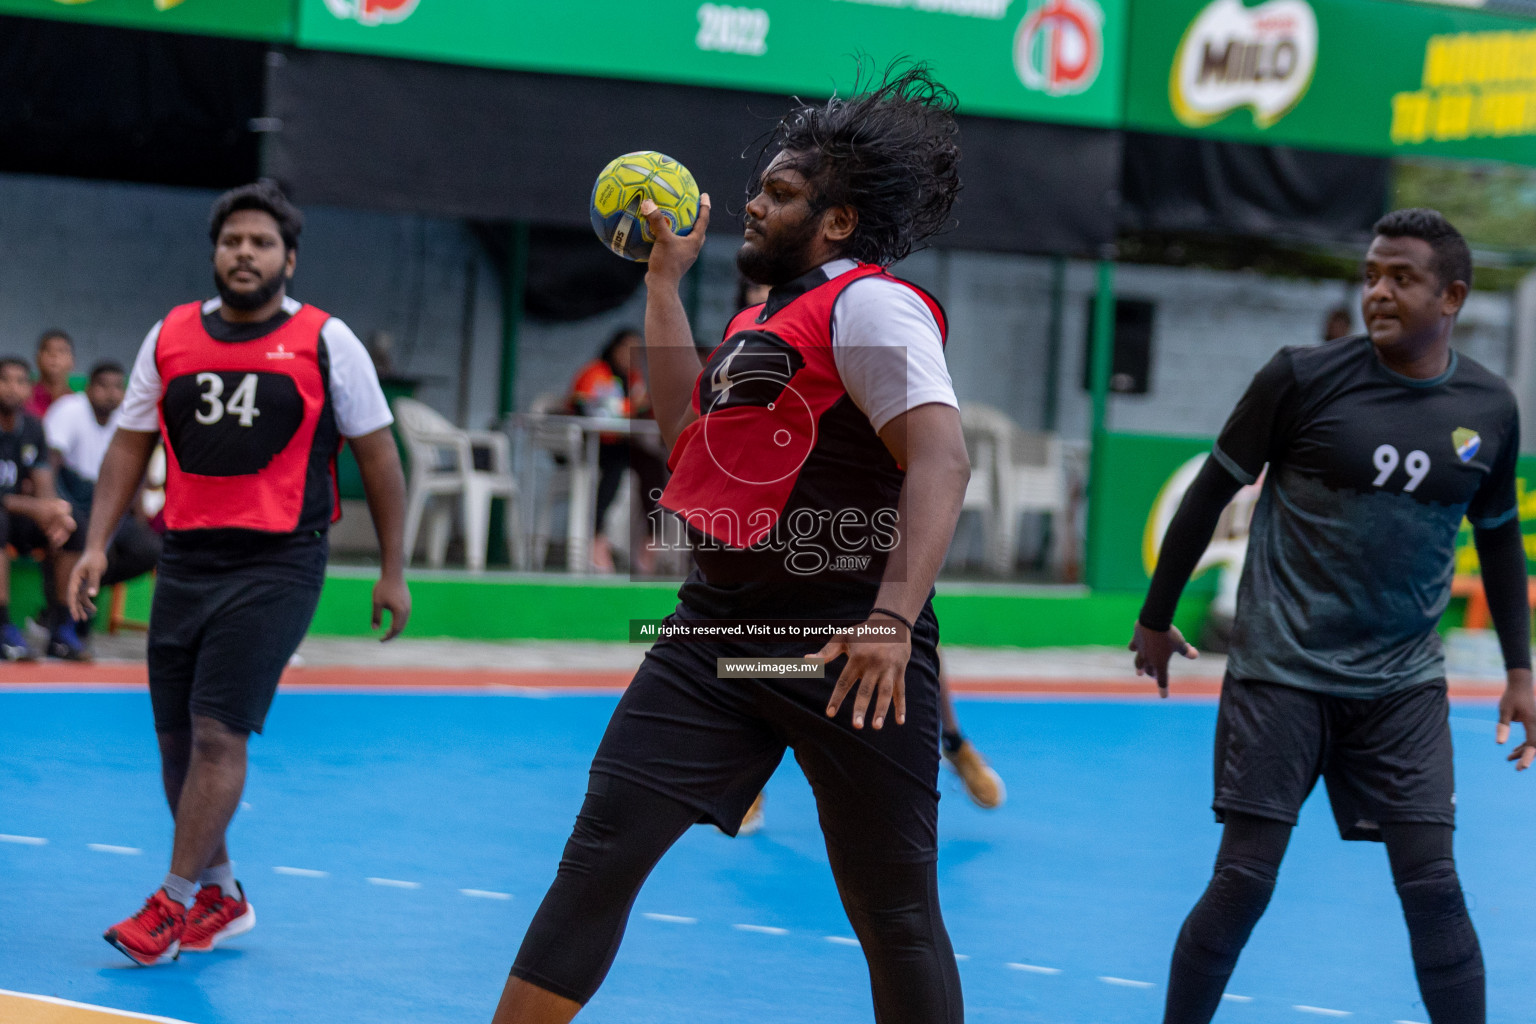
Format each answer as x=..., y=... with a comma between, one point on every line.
x=1233, y=56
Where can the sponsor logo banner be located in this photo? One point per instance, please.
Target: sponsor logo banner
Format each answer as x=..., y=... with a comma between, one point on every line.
x=1059, y=47
x=1476, y=85
x=1376, y=77
x=1045, y=60
x=372, y=12
x=251, y=19
x=1232, y=56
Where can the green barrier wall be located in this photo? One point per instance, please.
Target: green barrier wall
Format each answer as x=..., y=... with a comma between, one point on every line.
x=1136, y=469
x=517, y=608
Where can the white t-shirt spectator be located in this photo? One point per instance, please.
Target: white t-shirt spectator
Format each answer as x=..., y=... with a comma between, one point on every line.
x=73, y=431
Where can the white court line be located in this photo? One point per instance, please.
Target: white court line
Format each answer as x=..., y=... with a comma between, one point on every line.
x=126, y=851
x=1035, y=969
x=24, y=840
x=1125, y=982
x=1407, y=1022
x=761, y=929
x=394, y=883
x=1323, y=1011
x=301, y=872
x=842, y=940
x=486, y=894
x=55, y=1001
x=1237, y=999
x=670, y=918
x=962, y=956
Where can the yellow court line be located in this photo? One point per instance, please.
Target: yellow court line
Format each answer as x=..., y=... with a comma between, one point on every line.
x=22, y=1008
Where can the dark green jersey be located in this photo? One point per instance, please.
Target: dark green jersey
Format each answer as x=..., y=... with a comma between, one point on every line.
x=1351, y=549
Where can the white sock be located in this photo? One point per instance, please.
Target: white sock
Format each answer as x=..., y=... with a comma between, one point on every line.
x=221, y=875
x=179, y=889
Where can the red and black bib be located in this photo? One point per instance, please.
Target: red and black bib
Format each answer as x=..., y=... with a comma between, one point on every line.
x=240, y=423
x=781, y=459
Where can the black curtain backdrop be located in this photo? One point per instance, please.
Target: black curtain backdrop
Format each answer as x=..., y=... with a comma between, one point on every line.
x=92, y=102
x=501, y=145
x=1201, y=186
x=570, y=277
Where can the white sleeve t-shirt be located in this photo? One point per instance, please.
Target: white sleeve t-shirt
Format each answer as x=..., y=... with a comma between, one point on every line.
x=356, y=398
x=72, y=430
x=887, y=347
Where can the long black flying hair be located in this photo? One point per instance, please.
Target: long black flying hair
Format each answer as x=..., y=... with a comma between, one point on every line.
x=890, y=151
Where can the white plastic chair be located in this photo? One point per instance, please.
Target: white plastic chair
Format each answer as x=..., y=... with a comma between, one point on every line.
x=1013, y=471
x=981, y=495
x=442, y=465
x=560, y=441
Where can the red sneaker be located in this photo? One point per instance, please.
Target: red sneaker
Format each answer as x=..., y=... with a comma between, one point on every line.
x=215, y=917
x=153, y=934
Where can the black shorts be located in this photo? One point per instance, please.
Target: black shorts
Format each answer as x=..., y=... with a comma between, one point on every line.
x=712, y=743
x=22, y=533
x=218, y=645
x=1385, y=759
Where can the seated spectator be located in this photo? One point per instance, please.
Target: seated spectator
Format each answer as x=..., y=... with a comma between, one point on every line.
x=28, y=522
x=612, y=385
x=1338, y=325
x=55, y=362
x=79, y=427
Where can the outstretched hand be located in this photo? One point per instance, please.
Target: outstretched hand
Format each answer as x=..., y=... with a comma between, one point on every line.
x=1155, y=649
x=674, y=254
x=1518, y=705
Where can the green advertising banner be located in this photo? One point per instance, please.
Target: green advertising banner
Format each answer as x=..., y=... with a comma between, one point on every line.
x=1145, y=479
x=252, y=19
x=1366, y=76
x=1051, y=60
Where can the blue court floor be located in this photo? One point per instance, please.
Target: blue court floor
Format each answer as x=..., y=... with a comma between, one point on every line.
x=396, y=846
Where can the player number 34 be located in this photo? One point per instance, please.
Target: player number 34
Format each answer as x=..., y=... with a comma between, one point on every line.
x=1387, y=460
x=241, y=404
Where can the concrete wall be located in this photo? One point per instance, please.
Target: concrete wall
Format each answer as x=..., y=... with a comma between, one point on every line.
x=105, y=261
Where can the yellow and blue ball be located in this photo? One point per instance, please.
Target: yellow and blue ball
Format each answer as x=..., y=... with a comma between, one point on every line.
x=619, y=190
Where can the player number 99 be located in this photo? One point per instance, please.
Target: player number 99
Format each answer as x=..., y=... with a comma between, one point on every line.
x=1387, y=460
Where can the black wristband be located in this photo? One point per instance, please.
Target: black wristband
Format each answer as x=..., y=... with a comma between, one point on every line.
x=890, y=614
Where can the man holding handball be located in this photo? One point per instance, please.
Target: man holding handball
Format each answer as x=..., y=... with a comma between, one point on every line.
x=1377, y=446
x=819, y=465
x=253, y=393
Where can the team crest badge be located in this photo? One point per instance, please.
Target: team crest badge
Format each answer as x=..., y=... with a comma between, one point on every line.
x=1467, y=443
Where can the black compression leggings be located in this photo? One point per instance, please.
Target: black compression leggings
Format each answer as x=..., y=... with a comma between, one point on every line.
x=1446, y=956
x=624, y=829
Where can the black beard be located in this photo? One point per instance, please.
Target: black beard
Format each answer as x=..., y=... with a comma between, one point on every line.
x=779, y=260
x=245, y=302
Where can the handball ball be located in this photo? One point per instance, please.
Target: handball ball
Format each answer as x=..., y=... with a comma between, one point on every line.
x=619, y=190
